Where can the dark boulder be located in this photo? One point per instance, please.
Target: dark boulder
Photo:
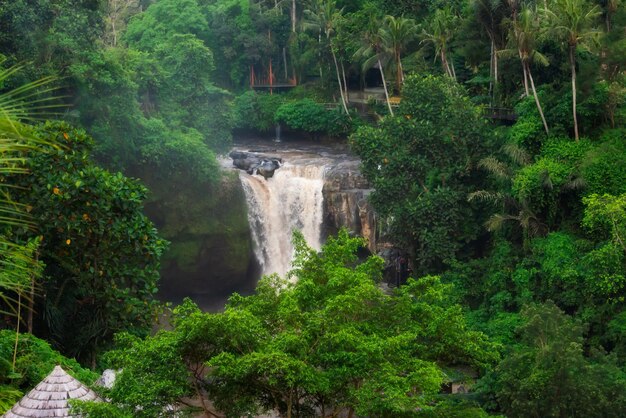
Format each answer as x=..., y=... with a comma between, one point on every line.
x=252, y=163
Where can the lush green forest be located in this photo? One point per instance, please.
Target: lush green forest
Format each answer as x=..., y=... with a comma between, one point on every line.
x=496, y=148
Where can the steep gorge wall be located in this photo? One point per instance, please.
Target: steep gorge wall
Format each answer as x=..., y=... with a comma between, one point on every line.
x=346, y=205
x=210, y=253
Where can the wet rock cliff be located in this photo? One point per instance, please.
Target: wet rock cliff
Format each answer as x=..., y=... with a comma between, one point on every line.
x=345, y=203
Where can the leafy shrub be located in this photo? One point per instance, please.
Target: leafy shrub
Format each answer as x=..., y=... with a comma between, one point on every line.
x=528, y=132
x=603, y=168
x=309, y=116
x=256, y=111
x=305, y=115
x=176, y=151
x=35, y=360
x=540, y=183
x=565, y=150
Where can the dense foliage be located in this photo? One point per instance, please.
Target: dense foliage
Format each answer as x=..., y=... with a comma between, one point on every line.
x=100, y=251
x=422, y=164
x=327, y=339
x=494, y=139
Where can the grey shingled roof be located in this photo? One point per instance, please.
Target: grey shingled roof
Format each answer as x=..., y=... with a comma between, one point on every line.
x=49, y=398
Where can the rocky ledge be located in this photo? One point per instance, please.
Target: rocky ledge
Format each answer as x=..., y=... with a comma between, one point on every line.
x=254, y=163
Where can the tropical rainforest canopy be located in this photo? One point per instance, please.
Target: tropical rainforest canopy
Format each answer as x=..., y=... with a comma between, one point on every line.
x=497, y=151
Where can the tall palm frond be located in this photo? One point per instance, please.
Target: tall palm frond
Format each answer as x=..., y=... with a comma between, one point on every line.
x=495, y=167
x=18, y=106
x=517, y=153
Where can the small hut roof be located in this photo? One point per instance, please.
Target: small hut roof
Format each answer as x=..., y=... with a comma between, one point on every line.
x=49, y=398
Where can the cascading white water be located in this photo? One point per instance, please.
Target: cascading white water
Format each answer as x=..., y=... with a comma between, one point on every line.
x=291, y=199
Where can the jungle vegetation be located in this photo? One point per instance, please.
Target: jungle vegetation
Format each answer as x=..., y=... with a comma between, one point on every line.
x=497, y=150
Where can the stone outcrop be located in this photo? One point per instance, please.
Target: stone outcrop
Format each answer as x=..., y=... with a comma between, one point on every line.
x=252, y=162
x=346, y=203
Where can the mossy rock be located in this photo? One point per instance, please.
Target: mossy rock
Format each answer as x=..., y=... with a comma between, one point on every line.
x=210, y=254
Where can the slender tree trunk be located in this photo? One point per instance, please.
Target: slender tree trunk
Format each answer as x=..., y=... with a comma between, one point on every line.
x=17, y=329
x=532, y=84
x=285, y=63
x=572, y=60
x=289, y=402
x=343, y=100
x=453, y=70
x=382, y=75
x=345, y=82
x=319, y=41
x=444, y=63
x=293, y=16
x=495, y=64
x=114, y=32
x=525, y=74
x=31, y=307
x=398, y=73
x=491, y=74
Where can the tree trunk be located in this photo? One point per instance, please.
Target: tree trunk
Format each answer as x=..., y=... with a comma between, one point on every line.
x=491, y=74
x=525, y=74
x=293, y=16
x=114, y=32
x=532, y=84
x=444, y=63
x=31, y=307
x=572, y=60
x=453, y=70
x=398, y=73
x=382, y=75
x=343, y=100
x=17, y=329
x=495, y=64
x=289, y=402
x=345, y=83
x=285, y=63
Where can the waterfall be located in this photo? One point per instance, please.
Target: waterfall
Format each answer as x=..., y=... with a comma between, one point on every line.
x=291, y=199
x=277, y=139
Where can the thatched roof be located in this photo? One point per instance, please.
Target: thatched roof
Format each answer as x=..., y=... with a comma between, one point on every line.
x=49, y=398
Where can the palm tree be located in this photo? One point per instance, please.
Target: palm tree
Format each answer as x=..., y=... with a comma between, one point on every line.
x=440, y=33
x=524, y=30
x=16, y=143
x=610, y=8
x=490, y=14
x=572, y=22
x=375, y=55
x=512, y=210
x=324, y=17
x=518, y=209
x=395, y=34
